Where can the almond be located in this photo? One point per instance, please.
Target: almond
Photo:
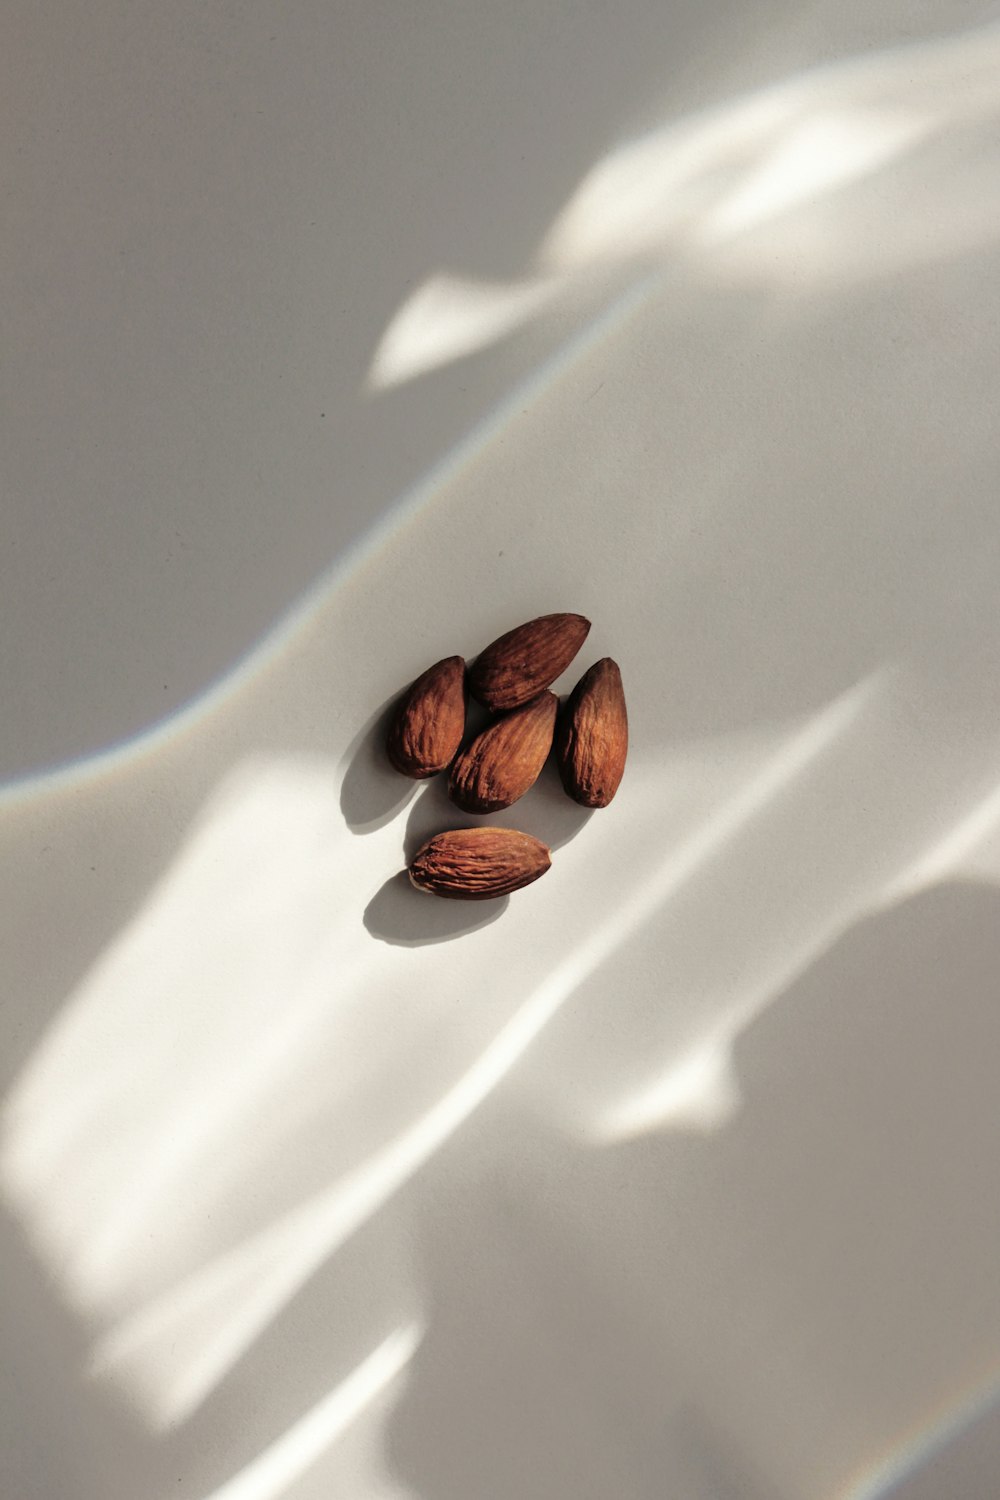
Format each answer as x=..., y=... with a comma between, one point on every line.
x=592, y=741
x=476, y=864
x=429, y=722
x=505, y=759
x=518, y=665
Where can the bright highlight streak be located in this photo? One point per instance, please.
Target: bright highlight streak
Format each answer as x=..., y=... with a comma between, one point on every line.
x=794, y=756
x=701, y=181
x=813, y=159
x=273, y=1471
x=639, y=196
x=953, y=849
x=448, y=317
x=174, y=1045
x=699, y=1092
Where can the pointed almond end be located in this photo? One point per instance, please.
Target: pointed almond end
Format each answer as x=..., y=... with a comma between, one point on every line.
x=518, y=665
x=429, y=722
x=506, y=758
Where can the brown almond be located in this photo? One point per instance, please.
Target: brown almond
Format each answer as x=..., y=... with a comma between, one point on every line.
x=505, y=759
x=592, y=740
x=476, y=864
x=429, y=722
x=518, y=665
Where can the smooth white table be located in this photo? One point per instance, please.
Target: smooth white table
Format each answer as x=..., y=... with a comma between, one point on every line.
x=337, y=339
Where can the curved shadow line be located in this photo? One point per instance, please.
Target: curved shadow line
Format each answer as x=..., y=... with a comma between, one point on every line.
x=351, y=562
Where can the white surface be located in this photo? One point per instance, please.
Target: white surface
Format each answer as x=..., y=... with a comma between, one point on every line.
x=336, y=341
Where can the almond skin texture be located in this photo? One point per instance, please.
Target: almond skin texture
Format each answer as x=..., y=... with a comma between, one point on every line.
x=517, y=666
x=428, y=725
x=477, y=864
x=506, y=758
x=592, y=741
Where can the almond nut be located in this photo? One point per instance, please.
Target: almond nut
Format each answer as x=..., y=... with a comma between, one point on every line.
x=592, y=740
x=429, y=722
x=518, y=665
x=506, y=758
x=476, y=864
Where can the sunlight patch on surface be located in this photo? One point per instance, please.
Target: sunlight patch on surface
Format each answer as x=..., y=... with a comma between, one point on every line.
x=448, y=318
x=271, y=1473
x=702, y=181
x=173, y=1046
x=698, y=1092
x=172, y=1354
x=177, y=1348
x=701, y=1090
x=732, y=167
x=793, y=756
x=813, y=158
x=954, y=852
x=178, y=1345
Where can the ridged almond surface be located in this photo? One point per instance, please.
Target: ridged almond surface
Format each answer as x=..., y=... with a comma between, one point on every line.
x=519, y=665
x=506, y=758
x=592, y=741
x=428, y=725
x=476, y=864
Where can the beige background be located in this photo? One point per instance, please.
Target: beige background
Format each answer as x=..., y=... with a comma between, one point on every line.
x=338, y=338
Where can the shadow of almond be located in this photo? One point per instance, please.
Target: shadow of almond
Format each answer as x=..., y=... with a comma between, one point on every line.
x=373, y=792
x=545, y=811
x=409, y=918
x=434, y=812
x=548, y=812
